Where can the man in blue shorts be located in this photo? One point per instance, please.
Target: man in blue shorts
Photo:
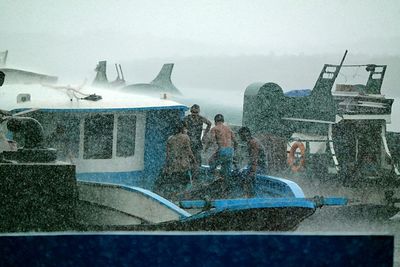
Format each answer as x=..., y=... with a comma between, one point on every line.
x=223, y=136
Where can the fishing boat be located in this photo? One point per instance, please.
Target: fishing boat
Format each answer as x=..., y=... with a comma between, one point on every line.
x=96, y=166
x=43, y=195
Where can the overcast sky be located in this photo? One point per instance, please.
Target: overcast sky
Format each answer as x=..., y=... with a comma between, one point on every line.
x=72, y=35
x=185, y=28
x=215, y=44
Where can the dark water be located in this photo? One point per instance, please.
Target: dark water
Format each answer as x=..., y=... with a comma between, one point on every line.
x=364, y=215
x=330, y=220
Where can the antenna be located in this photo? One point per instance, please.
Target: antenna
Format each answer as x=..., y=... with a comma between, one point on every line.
x=116, y=67
x=122, y=74
x=344, y=56
x=3, y=58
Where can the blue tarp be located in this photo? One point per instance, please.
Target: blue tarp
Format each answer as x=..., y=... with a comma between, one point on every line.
x=298, y=93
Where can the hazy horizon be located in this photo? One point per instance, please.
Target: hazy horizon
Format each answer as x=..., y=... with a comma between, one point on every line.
x=40, y=33
x=217, y=46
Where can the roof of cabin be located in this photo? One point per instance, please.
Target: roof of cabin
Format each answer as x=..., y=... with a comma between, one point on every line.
x=61, y=98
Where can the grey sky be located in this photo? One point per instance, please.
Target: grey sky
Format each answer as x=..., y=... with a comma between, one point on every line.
x=216, y=45
x=68, y=37
x=214, y=27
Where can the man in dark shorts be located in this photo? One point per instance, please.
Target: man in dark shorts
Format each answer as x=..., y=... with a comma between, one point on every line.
x=194, y=124
x=178, y=163
x=257, y=160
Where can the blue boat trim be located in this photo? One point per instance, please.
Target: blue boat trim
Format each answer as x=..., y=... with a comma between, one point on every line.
x=278, y=186
x=249, y=203
x=153, y=196
x=335, y=201
x=271, y=186
x=130, y=178
x=232, y=205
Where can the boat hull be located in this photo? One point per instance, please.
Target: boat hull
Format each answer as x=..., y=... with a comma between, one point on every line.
x=260, y=219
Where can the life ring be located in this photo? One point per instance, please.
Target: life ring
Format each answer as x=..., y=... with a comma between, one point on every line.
x=292, y=158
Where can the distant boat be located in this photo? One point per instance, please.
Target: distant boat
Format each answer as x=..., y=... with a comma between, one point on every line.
x=339, y=134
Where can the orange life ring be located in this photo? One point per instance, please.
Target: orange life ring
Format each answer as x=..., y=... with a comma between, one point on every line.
x=291, y=157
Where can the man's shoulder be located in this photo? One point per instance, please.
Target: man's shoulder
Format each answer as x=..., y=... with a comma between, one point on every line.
x=226, y=127
x=257, y=142
x=183, y=136
x=204, y=119
x=191, y=119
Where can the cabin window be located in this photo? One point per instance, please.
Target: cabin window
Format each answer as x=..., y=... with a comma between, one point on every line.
x=126, y=133
x=98, y=137
x=64, y=136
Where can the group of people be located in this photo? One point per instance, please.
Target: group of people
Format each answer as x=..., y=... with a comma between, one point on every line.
x=186, y=145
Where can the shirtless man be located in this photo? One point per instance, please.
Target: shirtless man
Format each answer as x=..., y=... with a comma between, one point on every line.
x=194, y=124
x=257, y=160
x=178, y=163
x=223, y=136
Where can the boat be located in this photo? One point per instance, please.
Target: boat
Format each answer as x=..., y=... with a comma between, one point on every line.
x=102, y=150
x=39, y=193
x=43, y=195
x=110, y=136
x=329, y=133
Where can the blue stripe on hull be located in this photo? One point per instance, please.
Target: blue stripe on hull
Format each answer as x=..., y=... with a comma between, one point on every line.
x=267, y=185
x=134, y=178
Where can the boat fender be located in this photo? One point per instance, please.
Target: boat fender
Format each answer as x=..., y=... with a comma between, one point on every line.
x=297, y=166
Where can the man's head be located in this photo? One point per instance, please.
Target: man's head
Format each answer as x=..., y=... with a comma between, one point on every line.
x=195, y=109
x=219, y=118
x=180, y=128
x=244, y=134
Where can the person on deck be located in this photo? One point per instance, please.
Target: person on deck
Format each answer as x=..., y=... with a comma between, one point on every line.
x=61, y=141
x=257, y=160
x=179, y=161
x=194, y=124
x=223, y=136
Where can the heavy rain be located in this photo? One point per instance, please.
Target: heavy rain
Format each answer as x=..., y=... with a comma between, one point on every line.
x=111, y=123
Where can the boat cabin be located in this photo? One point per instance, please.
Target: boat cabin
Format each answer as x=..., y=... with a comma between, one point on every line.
x=110, y=136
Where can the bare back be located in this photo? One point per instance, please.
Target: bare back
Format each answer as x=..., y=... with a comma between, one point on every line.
x=179, y=154
x=223, y=136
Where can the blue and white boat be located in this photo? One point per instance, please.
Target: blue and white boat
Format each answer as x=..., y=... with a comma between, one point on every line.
x=116, y=140
x=115, y=137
